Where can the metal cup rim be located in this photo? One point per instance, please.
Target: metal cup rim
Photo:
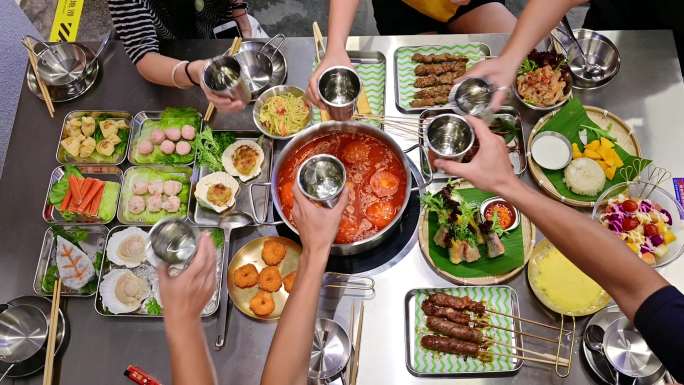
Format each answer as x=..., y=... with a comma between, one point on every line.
x=331, y=69
x=335, y=160
x=210, y=62
x=426, y=136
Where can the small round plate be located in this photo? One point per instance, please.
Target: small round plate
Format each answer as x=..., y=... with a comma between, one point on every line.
x=251, y=253
x=37, y=361
x=541, y=250
x=64, y=94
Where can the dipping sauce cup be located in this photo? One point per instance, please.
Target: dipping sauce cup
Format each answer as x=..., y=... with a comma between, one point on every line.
x=339, y=87
x=321, y=178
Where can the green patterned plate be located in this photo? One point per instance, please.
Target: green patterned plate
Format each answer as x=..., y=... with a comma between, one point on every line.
x=422, y=362
x=404, y=67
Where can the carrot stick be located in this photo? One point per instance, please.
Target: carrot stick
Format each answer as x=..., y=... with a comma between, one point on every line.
x=65, y=201
x=75, y=187
x=95, y=186
x=95, y=204
x=85, y=186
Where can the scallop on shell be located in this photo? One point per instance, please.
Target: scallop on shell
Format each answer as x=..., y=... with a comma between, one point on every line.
x=243, y=159
x=127, y=247
x=122, y=291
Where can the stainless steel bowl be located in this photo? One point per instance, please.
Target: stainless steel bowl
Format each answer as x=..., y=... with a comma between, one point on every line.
x=274, y=91
x=173, y=240
x=600, y=51
x=449, y=136
x=61, y=64
x=531, y=106
x=277, y=59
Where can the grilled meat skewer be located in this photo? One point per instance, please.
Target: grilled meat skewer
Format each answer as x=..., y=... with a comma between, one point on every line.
x=416, y=103
x=433, y=92
x=459, y=317
x=439, y=68
x=438, y=58
x=448, y=78
x=458, y=303
x=450, y=345
x=452, y=329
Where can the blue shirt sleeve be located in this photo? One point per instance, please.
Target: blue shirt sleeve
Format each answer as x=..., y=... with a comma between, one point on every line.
x=660, y=320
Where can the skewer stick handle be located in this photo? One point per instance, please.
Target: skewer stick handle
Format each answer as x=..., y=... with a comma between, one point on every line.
x=524, y=319
x=543, y=355
x=522, y=333
x=529, y=359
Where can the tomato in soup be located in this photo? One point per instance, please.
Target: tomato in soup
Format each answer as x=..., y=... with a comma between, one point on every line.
x=376, y=181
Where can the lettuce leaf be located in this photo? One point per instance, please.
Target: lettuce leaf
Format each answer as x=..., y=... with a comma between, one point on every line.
x=59, y=189
x=110, y=196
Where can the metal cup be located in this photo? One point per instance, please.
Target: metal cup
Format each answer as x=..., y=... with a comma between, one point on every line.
x=174, y=241
x=321, y=178
x=339, y=87
x=449, y=136
x=472, y=96
x=224, y=76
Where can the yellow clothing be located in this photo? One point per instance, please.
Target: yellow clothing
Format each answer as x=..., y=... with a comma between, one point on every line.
x=440, y=10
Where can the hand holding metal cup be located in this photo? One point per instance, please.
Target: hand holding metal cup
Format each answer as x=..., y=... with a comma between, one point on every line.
x=173, y=241
x=339, y=87
x=224, y=76
x=321, y=178
x=449, y=136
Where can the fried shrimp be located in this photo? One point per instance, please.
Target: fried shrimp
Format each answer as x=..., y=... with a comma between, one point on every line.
x=273, y=252
x=262, y=303
x=289, y=281
x=246, y=276
x=269, y=279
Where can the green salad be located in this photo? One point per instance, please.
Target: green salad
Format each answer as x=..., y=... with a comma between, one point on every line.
x=210, y=147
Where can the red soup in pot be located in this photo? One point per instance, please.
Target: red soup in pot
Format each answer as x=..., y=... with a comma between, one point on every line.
x=375, y=178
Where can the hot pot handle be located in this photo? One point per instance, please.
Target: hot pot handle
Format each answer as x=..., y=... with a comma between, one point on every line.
x=257, y=220
x=427, y=178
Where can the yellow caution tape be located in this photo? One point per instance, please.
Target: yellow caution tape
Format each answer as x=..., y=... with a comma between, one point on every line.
x=67, y=18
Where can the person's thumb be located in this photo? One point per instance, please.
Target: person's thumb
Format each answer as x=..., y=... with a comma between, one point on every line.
x=481, y=129
x=163, y=272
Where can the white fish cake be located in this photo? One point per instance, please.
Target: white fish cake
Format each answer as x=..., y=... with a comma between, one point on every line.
x=75, y=268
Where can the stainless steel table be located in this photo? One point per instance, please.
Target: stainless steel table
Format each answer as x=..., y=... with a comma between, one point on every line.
x=648, y=93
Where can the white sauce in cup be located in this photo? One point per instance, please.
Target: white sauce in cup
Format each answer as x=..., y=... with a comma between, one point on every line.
x=551, y=152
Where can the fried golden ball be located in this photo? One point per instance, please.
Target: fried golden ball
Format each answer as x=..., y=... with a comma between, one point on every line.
x=246, y=276
x=273, y=252
x=262, y=303
x=289, y=281
x=269, y=279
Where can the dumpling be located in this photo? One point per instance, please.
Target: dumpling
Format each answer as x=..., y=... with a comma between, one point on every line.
x=155, y=187
x=154, y=203
x=122, y=291
x=243, y=159
x=88, y=125
x=172, y=187
x=109, y=128
x=171, y=204
x=73, y=127
x=87, y=148
x=114, y=139
x=140, y=187
x=72, y=145
x=127, y=247
x=136, y=204
x=74, y=266
x=105, y=147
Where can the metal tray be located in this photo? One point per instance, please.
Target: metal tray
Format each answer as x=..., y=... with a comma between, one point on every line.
x=136, y=127
x=516, y=147
x=149, y=272
x=63, y=157
x=93, y=244
x=207, y=217
x=474, y=51
x=470, y=370
x=126, y=186
x=106, y=173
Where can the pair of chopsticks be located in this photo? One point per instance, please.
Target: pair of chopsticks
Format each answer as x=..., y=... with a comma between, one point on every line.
x=356, y=330
x=33, y=59
x=234, y=49
x=52, y=333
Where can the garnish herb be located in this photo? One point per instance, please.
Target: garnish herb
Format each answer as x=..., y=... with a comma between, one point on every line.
x=152, y=307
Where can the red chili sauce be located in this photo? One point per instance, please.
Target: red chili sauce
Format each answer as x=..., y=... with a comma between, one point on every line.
x=506, y=214
x=376, y=181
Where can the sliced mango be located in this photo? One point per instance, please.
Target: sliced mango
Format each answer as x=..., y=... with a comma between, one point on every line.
x=593, y=145
x=607, y=143
x=592, y=154
x=610, y=172
x=669, y=237
x=576, y=153
x=633, y=246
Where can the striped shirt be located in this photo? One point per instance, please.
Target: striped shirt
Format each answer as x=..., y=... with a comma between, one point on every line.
x=141, y=24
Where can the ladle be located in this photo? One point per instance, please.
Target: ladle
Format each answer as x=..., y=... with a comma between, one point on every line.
x=593, y=70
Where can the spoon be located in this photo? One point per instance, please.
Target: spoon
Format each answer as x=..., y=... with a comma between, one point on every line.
x=228, y=222
x=103, y=45
x=591, y=69
x=593, y=338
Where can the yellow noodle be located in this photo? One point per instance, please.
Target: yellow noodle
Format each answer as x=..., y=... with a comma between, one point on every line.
x=284, y=114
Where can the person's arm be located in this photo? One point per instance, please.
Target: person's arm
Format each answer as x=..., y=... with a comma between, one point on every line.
x=290, y=352
x=340, y=19
x=536, y=21
x=184, y=297
x=591, y=247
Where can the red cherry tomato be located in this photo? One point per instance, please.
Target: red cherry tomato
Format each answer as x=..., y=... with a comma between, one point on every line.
x=630, y=206
x=650, y=230
x=384, y=183
x=629, y=223
x=380, y=213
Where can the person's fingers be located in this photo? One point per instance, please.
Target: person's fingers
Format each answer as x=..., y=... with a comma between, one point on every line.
x=342, y=203
x=199, y=262
x=453, y=168
x=498, y=99
x=299, y=198
x=480, y=127
x=163, y=273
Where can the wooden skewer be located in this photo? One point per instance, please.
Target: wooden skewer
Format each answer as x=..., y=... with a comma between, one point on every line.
x=523, y=319
x=387, y=117
x=352, y=322
x=41, y=85
x=52, y=333
x=318, y=41
x=357, y=347
x=543, y=355
x=539, y=360
x=234, y=48
x=522, y=333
